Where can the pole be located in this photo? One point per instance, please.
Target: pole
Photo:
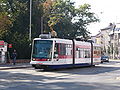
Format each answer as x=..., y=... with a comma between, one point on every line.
x=30, y=19
x=114, y=26
x=42, y=25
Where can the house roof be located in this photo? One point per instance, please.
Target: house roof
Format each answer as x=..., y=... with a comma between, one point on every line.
x=110, y=27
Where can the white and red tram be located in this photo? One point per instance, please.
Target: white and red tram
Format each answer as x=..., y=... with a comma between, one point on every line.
x=54, y=53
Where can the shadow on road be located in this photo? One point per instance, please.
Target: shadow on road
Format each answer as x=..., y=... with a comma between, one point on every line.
x=102, y=68
x=22, y=81
x=56, y=80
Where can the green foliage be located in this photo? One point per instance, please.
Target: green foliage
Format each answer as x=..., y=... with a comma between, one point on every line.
x=15, y=25
x=64, y=17
x=5, y=24
x=37, y=13
x=66, y=20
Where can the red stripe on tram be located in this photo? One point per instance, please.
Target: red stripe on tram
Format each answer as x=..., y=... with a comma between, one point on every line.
x=40, y=59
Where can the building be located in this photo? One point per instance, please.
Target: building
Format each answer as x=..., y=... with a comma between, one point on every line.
x=109, y=39
x=105, y=40
x=97, y=38
x=115, y=42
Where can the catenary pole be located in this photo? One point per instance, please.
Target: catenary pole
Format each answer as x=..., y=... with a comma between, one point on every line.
x=30, y=19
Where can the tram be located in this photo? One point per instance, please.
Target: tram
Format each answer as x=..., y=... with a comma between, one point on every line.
x=54, y=53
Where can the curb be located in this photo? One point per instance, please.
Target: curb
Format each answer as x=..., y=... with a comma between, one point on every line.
x=16, y=67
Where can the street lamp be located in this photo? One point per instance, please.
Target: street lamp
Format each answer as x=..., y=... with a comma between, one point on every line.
x=30, y=19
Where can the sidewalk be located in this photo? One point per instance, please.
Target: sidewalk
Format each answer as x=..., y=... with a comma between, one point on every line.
x=17, y=66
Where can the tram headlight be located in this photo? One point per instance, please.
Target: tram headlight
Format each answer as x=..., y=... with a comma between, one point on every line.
x=33, y=59
x=49, y=59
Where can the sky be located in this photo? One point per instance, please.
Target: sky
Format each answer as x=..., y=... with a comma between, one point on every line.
x=107, y=11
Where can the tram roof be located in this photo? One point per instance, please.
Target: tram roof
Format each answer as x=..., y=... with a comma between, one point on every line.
x=62, y=40
x=53, y=39
x=66, y=40
x=57, y=40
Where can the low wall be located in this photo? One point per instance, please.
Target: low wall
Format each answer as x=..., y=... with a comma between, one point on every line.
x=20, y=61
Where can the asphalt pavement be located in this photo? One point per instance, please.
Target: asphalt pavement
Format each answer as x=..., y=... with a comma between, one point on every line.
x=16, y=66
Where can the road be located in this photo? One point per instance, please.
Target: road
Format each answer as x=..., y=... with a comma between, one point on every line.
x=105, y=76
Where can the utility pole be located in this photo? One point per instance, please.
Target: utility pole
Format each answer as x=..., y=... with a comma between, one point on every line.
x=42, y=25
x=30, y=19
x=114, y=26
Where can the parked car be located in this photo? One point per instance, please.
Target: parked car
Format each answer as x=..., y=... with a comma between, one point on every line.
x=104, y=59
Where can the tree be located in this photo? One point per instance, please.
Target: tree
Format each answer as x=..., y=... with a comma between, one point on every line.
x=59, y=15
x=15, y=17
x=64, y=17
x=20, y=29
x=5, y=24
x=84, y=18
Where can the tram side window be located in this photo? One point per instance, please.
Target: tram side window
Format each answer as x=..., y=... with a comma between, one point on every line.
x=68, y=49
x=81, y=53
x=56, y=50
x=87, y=53
x=62, y=49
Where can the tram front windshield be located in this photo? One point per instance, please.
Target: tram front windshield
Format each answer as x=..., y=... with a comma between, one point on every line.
x=42, y=49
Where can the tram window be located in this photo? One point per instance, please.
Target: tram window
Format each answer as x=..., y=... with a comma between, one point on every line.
x=62, y=49
x=71, y=51
x=68, y=46
x=81, y=53
x=42, y=48
x=68, y=51
x=87, y=53
x=56, y=48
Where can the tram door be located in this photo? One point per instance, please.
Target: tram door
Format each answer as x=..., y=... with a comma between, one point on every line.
x=59, y=53
x=0, y=57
